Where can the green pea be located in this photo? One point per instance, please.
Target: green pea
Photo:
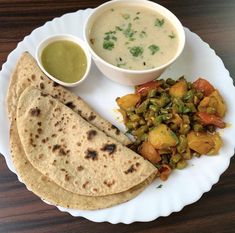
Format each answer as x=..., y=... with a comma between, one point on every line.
x=181, y=164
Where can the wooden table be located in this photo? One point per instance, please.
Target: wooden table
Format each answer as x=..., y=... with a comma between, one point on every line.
x=21, y=211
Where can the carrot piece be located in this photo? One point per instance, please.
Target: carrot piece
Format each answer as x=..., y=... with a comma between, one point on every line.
x=144, y=88
x=204, y=86
x=209, y=119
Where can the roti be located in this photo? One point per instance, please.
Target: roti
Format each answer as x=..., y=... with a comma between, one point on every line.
x=27, y=73
x=71, y=152
x=48, y=190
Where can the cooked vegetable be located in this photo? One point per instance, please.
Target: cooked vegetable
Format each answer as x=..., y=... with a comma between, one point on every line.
x=174, y=120
x=219, y=105
x=213, y=104
x=203, y=86
x=200, y=142
x=162, y=137
x=209, y=119
x=179, y=89
x=148, y=151
x=144, y=88
x=204, y=143
x=128, y=101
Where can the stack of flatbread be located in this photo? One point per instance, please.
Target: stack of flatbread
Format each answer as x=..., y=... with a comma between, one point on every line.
x=64, y=151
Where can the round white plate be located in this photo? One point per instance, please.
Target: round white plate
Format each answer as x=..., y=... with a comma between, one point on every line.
x=183, y=187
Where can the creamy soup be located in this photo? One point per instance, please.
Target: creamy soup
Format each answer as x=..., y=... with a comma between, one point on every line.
x=134, y=38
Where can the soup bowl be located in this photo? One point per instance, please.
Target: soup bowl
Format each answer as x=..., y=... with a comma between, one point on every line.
x=127, y=76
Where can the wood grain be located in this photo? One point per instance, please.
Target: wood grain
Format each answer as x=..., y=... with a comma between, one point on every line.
x=23, y=212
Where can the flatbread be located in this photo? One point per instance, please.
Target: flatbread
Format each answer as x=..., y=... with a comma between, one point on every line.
x=76, y=155
x=46, y=189
x=27, y=73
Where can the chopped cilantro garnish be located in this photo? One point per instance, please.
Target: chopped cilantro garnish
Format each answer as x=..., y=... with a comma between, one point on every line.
x=128, y=32
x=172, y=35
x=159, y=22
x=107, y=44
x=136, y=51
x=159, y=186
x=143, y=34
x=153, y=48
x=109, y=40
x=126, y=16
x=118, y=28
x=137, y=17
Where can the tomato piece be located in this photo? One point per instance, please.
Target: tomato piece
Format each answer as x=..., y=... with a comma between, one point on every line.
x=144, y=88
x=209, y=119
x=204, y=86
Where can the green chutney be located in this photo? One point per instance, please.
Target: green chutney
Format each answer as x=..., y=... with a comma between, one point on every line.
x=64, y=60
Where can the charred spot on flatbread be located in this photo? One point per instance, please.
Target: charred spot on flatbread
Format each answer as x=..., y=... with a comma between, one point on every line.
x=44, y=94
x=55, y=84
x=35, y=111
x=110, y=148
x=131, y=169
x=42, y=86
x=91, y=117
x=33, y=76
x=56, y=147
x=70, y=104
x=39, y=130
x=91, y=154
x=91, y=134
x=80, y=168
x=117, y=131
x=109, y=183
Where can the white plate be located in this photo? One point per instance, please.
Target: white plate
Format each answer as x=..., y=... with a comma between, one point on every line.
x=183, y=187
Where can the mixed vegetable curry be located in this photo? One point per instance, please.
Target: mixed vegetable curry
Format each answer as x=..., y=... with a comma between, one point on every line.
x=173, y=120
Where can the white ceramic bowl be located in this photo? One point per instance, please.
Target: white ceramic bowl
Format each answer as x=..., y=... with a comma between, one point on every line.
x=125, y=76
x=67, y=37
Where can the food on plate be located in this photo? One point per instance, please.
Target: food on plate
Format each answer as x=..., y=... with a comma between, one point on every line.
x=64, y=60
x=69, y=162
x=135, y=38
x=27, y=73
x=174, y=120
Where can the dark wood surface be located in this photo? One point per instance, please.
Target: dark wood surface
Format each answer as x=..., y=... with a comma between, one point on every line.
x=21, y=211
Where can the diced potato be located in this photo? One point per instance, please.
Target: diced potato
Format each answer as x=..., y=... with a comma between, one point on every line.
x=148, y=151
x=220, y=105
x=215, y=101
x=162, y=137
x=128, y=101
x=202, y=143
x=217, y=144
x=179, y=89
x=124, y=115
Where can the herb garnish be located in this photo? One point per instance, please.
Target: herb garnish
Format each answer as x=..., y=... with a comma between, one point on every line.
x=136, y=51
x=107, y=44
x=172, y=35
x=118, y=28
x=137, y=17
x=153, y=49
x=159, y=186
x=143, y=34
x=109, y=40
x=159, y=22
x=129, y=32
